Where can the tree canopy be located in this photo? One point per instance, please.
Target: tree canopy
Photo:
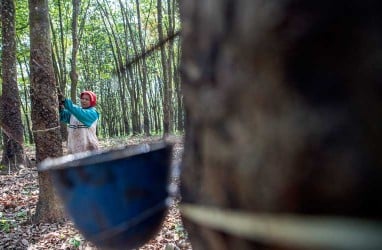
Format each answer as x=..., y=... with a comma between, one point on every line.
x=117, y=53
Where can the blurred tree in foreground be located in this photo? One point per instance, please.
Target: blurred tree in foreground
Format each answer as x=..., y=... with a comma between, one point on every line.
x=283, y=105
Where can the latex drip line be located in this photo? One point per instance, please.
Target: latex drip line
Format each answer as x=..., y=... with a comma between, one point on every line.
x=45, y=130
x=307, y=231
x=11, y=137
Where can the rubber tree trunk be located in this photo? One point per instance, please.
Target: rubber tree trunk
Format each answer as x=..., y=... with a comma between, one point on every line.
x=283, y=102
x=13, y=155
x=45, y=120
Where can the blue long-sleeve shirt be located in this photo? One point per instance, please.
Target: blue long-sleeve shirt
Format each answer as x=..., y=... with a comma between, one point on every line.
x=87, y=116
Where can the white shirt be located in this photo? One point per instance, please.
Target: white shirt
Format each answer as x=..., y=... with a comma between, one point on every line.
x=80, y=137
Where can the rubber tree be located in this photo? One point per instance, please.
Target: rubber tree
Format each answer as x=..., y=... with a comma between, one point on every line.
x=45, y=120
x=283, y=102
x=13, y=152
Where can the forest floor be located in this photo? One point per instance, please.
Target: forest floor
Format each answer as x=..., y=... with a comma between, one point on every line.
x=19, y=196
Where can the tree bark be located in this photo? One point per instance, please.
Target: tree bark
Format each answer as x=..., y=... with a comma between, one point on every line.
x=283, y=110
x=143, y=67
x=61, y=54
x=45, y=120
x=11, y=123
x=73, y=63
x=166, y=88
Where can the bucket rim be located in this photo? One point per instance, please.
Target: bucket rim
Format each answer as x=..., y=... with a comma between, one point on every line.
x=99, y=156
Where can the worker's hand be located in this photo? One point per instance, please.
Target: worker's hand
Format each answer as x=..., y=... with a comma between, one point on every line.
x=61, y=99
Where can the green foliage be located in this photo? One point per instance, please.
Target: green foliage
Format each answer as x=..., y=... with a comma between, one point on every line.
x=22, y=21
x=22, y=214
x=181, y=231
x=5, y=224
x=75, y=242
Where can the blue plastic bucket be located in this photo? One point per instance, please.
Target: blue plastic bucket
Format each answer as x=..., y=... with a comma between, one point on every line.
x=117, y=198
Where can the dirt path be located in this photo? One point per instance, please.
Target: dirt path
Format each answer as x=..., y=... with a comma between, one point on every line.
x=19, y=195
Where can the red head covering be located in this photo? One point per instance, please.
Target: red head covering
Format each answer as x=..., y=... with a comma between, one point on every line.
x=93, y=97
